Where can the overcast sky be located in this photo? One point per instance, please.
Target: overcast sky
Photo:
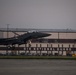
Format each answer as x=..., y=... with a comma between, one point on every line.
x=45, y=14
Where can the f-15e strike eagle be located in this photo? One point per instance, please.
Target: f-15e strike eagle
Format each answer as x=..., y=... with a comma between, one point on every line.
x=22, y=39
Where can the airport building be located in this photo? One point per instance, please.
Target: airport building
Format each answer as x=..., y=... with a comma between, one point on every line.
x=60, y=42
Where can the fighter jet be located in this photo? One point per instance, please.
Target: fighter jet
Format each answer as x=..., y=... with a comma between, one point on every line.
x=22, y=39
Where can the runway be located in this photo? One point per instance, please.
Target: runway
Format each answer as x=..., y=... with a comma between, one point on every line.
x=37, y=67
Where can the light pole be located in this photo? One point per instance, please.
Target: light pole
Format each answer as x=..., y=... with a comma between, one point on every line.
x=7, y=37
x=7, y=30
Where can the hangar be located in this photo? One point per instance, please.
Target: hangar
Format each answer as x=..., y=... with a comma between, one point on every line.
x=61, y=42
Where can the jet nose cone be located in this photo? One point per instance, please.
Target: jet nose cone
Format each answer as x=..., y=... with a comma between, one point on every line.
x=48, y=34
x=45, y=34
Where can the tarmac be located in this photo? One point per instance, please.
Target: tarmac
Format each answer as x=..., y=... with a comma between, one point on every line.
x=37, y=67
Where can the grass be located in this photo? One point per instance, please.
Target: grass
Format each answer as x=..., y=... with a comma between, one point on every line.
x=38, y=57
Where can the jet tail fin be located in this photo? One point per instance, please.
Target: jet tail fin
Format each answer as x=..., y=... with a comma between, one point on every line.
x=16, y=33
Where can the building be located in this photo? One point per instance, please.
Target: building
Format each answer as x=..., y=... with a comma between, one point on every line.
x=61, y=42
